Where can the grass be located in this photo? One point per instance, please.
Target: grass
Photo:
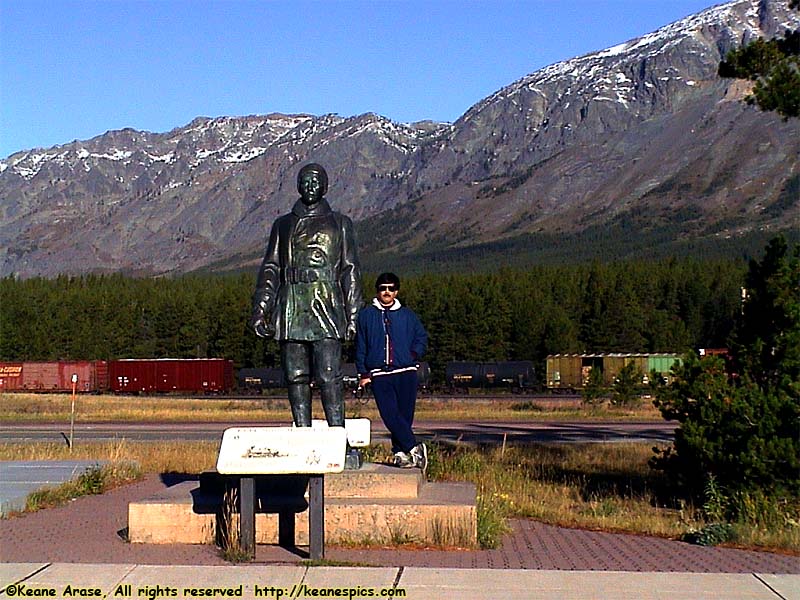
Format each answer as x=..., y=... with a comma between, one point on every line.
x=50, y=408
x=605, y=487
x=187, y=457
x=95, y=480
x=39, y=408
x=229, y=544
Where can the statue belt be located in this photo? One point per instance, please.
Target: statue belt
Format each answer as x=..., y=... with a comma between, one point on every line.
x=294, y=275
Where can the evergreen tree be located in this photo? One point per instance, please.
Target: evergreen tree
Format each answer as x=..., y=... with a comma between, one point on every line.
x=627, y=386
x=743, y=429
x=766, y=342
x=775, y=67
x=780, y=89
x=594, y=390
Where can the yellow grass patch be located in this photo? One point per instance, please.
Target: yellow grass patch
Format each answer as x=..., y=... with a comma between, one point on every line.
x=152, y=457
x=45, y=408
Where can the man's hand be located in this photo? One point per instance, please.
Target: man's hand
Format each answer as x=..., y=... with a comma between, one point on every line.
x=364, y=381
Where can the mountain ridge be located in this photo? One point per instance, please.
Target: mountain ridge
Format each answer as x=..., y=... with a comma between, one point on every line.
x=583, y=142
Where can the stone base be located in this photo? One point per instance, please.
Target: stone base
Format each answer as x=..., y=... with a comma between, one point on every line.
x=377, y=504
x=353, y=460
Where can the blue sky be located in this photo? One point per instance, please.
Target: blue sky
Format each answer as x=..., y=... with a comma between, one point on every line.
x=75, y=69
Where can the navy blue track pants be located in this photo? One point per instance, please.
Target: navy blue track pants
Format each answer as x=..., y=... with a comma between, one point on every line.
x=396, y=397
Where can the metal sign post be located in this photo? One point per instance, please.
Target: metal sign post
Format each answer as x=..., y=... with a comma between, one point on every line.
x=72, y=413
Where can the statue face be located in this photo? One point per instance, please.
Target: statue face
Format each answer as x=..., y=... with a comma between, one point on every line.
x=311, y=187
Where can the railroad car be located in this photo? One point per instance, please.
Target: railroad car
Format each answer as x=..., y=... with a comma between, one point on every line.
x=257, y=379
x=515, y=375
x=260, y=379
x=165, y=375
x=54, y=376
x=571, y=371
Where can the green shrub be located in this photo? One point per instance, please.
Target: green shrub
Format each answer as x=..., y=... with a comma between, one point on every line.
x=711, y=535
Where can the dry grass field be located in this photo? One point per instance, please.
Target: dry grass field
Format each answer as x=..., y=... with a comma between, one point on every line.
x=52, y=408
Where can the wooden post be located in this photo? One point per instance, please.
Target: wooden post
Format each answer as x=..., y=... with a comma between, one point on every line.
x=316, y=517
x=247, y=515
x=286, y=521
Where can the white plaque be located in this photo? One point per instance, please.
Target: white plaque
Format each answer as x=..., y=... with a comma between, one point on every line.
x=281, y=450
x=358, y=430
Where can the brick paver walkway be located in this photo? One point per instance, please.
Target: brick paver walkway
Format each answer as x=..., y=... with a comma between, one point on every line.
x=92, y=529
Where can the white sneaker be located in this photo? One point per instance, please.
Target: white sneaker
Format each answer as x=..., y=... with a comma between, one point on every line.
x=419, y=454
x=404, y=460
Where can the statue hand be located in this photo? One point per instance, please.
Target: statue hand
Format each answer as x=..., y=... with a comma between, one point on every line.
x=259, y=325
x=350, y=333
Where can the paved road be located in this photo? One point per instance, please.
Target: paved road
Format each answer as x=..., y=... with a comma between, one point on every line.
x=452, y=431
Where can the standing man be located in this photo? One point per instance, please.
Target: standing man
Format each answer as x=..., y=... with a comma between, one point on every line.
x=389, y=341
x=308, y=295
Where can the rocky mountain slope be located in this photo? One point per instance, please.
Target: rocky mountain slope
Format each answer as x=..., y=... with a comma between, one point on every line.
x=642, y=139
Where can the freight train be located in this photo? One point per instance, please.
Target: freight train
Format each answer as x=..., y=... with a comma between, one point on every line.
x=156, y=376
x=565, y=372
x=130, y=376
x=570, y=372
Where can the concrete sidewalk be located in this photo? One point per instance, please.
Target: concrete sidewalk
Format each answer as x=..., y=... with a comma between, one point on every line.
x=298, y=581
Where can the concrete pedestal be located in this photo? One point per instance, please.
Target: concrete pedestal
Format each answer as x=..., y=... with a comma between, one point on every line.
x=377, y=504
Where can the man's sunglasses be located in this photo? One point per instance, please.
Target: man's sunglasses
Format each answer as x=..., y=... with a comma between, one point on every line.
x=387, y=288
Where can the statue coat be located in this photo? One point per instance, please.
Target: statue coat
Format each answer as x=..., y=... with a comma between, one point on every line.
x=309, y=286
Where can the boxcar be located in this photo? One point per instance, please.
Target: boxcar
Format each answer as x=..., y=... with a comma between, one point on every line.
x=254, y=380
x=571, y=371
x=54, y=376
x=516, y=375
x=165, y=375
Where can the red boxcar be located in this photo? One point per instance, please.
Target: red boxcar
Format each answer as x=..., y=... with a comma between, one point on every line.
x=55, y=376
x=196, y=375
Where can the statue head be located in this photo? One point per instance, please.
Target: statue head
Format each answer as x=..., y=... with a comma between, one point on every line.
x=312, y=183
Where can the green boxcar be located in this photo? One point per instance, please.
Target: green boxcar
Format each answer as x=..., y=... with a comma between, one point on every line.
x=662, y=364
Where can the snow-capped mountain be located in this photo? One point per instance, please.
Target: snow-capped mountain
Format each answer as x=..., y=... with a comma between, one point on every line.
x=143, y=202
x=644, y=133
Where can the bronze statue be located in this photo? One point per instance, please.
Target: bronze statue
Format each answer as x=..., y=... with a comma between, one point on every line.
x=308, y=295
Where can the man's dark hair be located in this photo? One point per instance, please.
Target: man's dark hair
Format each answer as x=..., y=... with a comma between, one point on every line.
x=387, y=278
x=319, y=170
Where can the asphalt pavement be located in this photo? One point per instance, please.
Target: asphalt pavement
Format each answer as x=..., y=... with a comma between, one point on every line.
x=445, y=431
x=18, y=479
